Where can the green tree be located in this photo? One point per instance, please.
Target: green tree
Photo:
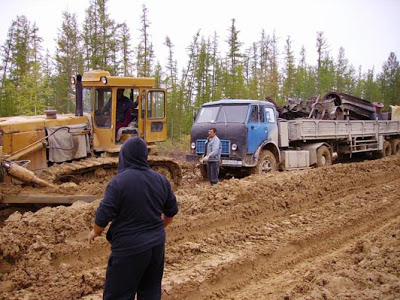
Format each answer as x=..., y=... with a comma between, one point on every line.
x=252, y=72
x=341, y=70
x=6, y=103
x=389, y=81
x=235, y=78
x=174, y=105
x=69, y=61
x=145, y=52
x=322, y=53
x=263, y=70
x=23, y=76
x=188, y=74
x=126, y=50
x=345, y=75
x=305, y=79
x=371, y=90
x=273, y=76
x=289, y=71
x=203, y=73
x=216, y=72
x=100, y=40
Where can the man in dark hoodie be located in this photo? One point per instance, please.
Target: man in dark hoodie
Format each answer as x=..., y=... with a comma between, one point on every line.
x=139, y=203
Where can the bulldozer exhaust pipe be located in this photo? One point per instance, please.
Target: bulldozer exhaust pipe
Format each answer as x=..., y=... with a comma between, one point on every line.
x=79, y=96
x=23, y=174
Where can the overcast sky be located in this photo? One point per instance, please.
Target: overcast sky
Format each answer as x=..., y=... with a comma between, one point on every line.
x=368, y=30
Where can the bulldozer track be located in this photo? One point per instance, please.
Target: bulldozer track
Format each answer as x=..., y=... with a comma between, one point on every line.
x=56, y=172
x=100, y=167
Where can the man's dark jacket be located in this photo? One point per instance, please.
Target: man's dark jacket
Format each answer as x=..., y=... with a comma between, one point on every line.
x=134, y=201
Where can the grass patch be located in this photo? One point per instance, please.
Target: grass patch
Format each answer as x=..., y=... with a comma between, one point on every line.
x=176, y=148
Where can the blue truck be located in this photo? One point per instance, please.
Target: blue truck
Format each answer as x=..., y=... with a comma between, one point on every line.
x=255, y=140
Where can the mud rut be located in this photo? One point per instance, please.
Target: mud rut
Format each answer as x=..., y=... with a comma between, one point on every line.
x=327, y=233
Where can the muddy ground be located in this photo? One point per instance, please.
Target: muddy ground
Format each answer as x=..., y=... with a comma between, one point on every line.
x=327, y=233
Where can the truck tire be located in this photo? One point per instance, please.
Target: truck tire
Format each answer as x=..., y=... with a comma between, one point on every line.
x=395, y=144
x=324, y=157
x=386, y=150
x=266, y=163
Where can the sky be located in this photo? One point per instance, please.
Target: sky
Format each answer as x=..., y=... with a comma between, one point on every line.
x=368, y=30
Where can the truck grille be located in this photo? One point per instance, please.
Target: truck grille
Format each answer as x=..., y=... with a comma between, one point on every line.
x=200, y=147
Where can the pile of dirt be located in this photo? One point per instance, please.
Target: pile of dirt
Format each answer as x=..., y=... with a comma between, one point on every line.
x=327, y=233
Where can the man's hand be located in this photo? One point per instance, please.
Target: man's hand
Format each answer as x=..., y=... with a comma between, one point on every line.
x=205, y=158
x=96, y=231
x=166, y=220
x=91, y=236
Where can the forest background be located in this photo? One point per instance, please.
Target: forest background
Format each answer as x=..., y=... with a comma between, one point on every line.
x=33, y=80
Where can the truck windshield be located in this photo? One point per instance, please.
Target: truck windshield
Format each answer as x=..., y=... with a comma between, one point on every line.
x=208, y=114
x=223, y=114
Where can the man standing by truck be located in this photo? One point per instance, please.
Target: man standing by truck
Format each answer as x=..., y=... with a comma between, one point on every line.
x=213, y=149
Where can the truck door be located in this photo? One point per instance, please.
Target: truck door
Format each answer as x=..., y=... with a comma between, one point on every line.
x=154, y=111
x=256, y=128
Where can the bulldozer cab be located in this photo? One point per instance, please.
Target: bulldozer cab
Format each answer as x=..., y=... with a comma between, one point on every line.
x=122, y=107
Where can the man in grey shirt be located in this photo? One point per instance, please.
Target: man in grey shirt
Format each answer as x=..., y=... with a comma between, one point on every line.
x=212, y=156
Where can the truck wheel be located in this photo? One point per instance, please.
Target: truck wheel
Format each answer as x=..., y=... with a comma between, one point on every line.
x=395, y=144
x=386, y=150
x=266, y=163
x=324, y=157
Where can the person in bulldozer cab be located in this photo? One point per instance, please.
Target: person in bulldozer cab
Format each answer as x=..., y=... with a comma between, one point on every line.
x=125, y=108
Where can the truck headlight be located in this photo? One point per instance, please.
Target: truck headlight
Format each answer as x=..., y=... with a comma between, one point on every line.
x=193, y=145
x=234, y=147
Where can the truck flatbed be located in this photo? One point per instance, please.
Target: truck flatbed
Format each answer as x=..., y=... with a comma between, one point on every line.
x=309, y=129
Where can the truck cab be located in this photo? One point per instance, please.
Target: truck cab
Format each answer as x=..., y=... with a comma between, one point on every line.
x=246, y=129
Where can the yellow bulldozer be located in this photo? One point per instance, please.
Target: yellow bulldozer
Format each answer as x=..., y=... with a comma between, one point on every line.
x=51, y=149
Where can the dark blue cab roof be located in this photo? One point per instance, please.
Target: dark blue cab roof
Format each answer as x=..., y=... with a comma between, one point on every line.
x=238, y=101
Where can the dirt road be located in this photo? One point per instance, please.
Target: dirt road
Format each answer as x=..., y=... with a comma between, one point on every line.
x=327, y=233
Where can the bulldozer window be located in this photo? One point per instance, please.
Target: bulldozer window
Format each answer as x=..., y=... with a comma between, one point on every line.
x=102, y=117
x=87, y=99
x=142, y=104
x=156, y=105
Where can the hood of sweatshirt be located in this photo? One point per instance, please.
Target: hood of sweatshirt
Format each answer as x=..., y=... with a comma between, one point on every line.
x=133, y=155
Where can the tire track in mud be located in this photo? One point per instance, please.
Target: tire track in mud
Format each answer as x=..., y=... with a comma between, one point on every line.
x=223, y=240
x=194, y=262
x=308, y=274
x=230, y=276
x=193, y=226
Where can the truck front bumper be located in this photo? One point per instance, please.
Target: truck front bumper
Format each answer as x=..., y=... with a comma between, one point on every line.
x=224, y=162
x=229, y=162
